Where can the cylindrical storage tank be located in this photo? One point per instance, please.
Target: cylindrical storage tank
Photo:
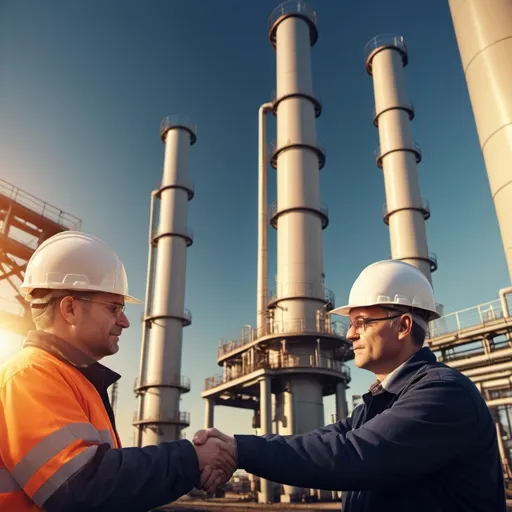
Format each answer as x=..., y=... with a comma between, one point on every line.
x=484, y=35
x=398, y=155
x=162, y=382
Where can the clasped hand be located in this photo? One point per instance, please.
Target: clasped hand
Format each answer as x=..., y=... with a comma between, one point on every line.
x=217, y=457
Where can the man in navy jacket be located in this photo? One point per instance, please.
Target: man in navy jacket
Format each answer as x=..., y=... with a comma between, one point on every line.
x=423, y=440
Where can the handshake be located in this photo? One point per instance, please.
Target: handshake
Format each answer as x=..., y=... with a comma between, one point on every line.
x=217, y=457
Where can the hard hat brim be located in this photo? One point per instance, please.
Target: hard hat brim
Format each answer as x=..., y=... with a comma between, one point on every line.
x=345, y=310
x=341, y=311
x=132, y=300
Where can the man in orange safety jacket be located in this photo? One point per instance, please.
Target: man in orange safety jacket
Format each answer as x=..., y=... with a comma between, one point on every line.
x=59, y=448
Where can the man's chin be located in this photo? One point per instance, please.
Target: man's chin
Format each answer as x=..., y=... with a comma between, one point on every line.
x=113, y=345
x=360, y=361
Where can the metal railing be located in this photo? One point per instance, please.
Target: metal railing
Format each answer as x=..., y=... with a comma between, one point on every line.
x=39, y=206
x=300, y=325
x=288, y=361
x=181, y=418
x=387, y=40
x=322, y=208
x=178, y=381
x=174, y=120
x=466, y=318
x=289, y=7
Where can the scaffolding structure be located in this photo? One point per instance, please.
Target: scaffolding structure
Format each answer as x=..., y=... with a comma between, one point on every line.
x=26, y=222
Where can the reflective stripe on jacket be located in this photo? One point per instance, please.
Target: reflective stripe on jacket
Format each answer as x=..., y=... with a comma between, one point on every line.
x=52, y=421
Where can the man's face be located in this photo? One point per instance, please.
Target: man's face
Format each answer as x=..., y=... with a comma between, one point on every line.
x=100, y=323
x=375, y=343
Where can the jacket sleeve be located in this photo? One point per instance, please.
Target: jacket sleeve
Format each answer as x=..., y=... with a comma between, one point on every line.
x=340, y=427
x=56, y=456
x=432, y=423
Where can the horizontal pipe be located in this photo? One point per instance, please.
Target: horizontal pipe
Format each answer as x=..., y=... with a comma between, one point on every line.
x=488, y=369
x=499, y=401
x=507, y=352
x=490, y=376
x=497, y=383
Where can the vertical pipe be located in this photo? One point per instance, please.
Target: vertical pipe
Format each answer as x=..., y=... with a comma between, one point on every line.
x=266, y=428
x=209, y=413
x=398, y=155
x=341, y=402
x=149, y=292
x=161, y=419
x=483, y=30
x=262, y=284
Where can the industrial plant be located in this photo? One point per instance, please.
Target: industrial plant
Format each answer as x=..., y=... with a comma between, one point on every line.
x=282, y=368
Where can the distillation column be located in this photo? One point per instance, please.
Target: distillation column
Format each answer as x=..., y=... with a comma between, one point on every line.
x=299, y=217
x=398, y=155
x=483, y=31
x=161, y=383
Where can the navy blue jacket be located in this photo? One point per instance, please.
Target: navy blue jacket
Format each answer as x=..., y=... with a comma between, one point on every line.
x=427, y=444
x=119, y=479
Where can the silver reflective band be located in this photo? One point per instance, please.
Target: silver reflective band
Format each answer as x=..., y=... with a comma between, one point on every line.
x=7, y=482
x=106, y=437
x=62, y=475
x=50, y=446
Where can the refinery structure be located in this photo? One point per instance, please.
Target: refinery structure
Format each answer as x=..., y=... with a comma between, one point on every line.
x=296, y=354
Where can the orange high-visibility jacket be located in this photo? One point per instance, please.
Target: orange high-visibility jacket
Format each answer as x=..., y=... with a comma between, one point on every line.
x=52, y=421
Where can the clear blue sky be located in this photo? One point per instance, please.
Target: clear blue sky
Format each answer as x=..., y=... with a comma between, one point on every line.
x=84, y=86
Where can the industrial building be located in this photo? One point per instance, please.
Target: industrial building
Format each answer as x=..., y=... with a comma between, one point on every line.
x=296, y=355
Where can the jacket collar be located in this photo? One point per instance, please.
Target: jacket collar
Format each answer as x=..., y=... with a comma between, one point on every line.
x=402, y=377
x=98, y=374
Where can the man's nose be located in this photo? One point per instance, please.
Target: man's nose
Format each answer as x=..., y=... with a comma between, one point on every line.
x=123, y=321
x=351, y=333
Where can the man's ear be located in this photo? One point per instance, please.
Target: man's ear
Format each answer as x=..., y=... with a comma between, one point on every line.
x=405, y=326
x=67, y=307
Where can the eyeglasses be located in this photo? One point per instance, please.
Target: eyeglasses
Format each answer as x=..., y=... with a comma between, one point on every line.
x=115, y=309
x=360, y=323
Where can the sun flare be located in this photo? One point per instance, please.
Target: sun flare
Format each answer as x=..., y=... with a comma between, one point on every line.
x=10, y=344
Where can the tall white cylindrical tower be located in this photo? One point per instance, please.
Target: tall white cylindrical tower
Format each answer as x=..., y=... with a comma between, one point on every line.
x=484, y=35
x=298, y=215
x=160, y=384
x=398, y=155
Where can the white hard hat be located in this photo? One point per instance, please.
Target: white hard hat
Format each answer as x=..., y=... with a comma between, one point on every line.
x=391, y=283
x=75, y=261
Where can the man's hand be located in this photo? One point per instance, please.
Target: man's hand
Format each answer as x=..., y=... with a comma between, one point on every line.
x=217, y=457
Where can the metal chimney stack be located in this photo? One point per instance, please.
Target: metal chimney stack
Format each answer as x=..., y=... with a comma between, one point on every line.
x=160, y=382
x=398, y=155
x=484, y=35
